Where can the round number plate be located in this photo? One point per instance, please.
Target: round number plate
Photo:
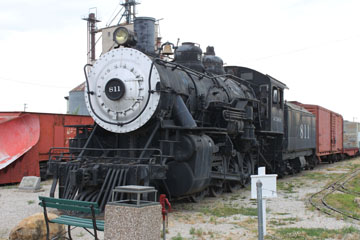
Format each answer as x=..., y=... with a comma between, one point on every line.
x=114, y=89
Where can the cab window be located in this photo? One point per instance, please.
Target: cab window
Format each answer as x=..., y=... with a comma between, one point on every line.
x=275, y=96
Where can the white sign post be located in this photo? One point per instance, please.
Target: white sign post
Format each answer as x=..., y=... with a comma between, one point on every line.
x=268, y=187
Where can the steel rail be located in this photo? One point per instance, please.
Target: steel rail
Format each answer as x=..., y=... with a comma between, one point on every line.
x=333, y=187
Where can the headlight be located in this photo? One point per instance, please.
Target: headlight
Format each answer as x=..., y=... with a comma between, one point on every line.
x=123, y=36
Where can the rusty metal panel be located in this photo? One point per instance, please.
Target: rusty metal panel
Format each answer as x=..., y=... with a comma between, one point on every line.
x=17, y=136
x=25, y=147
x=350, y=135
x=324, y=130
x=337, y=128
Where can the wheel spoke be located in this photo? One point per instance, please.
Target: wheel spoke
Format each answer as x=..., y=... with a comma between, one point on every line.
x=217, y=190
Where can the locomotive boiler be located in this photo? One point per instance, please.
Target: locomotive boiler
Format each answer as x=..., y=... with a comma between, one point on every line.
x=183, y=126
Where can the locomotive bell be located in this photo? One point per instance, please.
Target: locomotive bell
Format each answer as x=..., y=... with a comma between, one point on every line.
x=167, y=50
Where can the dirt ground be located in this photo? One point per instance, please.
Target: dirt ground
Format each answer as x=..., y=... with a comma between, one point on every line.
x=230, y=216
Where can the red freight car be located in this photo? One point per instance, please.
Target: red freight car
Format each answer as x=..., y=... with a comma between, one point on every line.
x=25, y=140
x=329, y=132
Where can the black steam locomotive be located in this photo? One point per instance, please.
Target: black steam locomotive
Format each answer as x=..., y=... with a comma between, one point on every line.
x=187, y=126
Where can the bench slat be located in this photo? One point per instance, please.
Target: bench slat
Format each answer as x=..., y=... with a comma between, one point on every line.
x=69, y=207
x=77, y=224
x=78, y=219
x=69, y=201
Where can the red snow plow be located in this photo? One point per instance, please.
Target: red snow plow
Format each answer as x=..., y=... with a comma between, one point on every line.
x=25, y=140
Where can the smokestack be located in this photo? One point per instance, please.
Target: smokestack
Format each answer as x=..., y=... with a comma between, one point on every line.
x=144, y=28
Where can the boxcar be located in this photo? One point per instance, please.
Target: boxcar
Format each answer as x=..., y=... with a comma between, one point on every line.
x=351, y=138
x=329, y=132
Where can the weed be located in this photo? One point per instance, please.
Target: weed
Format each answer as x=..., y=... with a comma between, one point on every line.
x=314, y=233
x=287, y=187
x=284, y=221
x=30, y=202
x=177, y=237
x=213, y=220
x=229, y=210
x=199, y=232
x=10, y=186
x=319, y=176
x=234, y=197
x=80, y=235
x=352, y=166
x=192, y=231
x=354, y=184
x=281, y=214
x=344, y=202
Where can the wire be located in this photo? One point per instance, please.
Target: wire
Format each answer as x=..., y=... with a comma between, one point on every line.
x=303, y=49
x=34, y=84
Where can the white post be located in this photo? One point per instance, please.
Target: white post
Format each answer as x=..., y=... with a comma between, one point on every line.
x=260, y=210
x=261, y=172
x=264, y=215
x=268, y=190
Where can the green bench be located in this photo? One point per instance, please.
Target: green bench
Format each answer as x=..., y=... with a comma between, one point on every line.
x=72, y=205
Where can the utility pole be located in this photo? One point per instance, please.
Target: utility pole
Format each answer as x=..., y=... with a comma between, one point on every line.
x=25, y=107
x=91, y=31
x=129, y=11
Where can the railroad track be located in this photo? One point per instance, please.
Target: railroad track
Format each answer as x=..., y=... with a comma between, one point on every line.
x=318, y=199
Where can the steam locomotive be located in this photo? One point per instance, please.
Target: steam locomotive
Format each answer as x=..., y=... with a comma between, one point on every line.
x=187, y=126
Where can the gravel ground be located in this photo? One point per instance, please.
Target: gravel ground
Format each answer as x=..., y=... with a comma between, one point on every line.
x=202, y=221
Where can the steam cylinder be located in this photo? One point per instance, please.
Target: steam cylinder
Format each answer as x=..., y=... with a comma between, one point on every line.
x=144, y=28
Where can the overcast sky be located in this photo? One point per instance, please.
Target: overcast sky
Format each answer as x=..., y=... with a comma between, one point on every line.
x=313, y=46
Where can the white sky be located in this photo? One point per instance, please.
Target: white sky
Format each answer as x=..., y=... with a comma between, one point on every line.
x=310, y=45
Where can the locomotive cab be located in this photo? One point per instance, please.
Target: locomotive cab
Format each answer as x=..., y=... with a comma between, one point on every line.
x=268, y=115
x=270, y=93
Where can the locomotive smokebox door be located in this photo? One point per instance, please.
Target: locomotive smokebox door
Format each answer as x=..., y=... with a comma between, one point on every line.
x=124, y=84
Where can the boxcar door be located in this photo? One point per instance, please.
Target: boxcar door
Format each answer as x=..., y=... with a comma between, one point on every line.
x=333, y=132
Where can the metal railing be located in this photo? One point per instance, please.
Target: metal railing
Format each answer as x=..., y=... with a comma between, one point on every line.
x=108, y=155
